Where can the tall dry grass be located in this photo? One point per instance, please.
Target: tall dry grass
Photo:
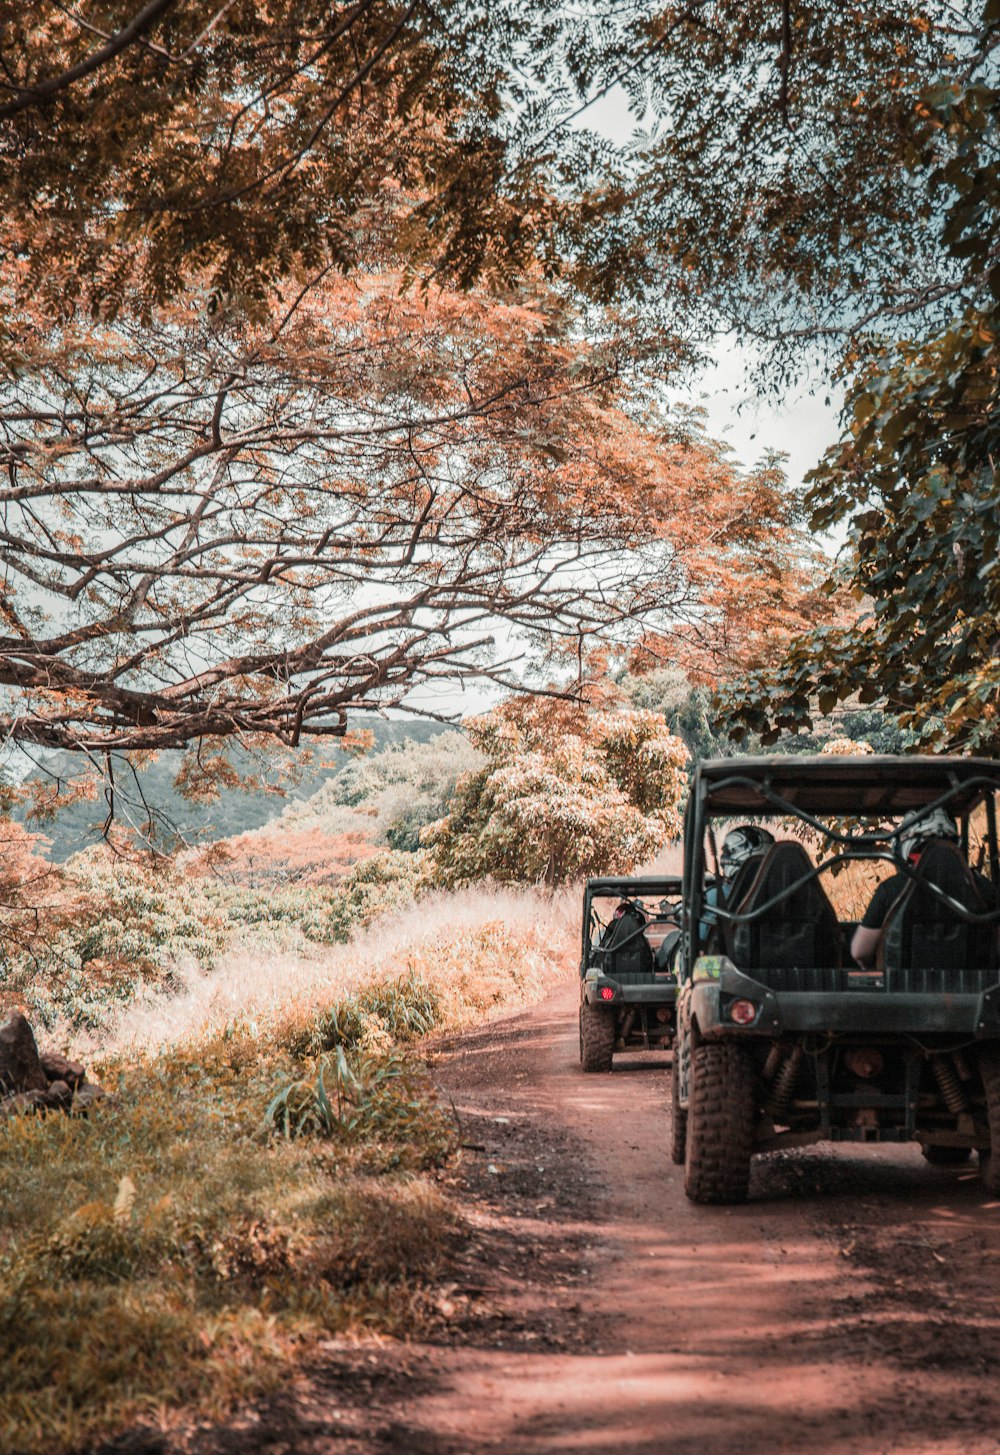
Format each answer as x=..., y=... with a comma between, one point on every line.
x=670, y=860
x=480, y=948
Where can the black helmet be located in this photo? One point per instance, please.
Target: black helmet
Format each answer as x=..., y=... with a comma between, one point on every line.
x=741, y=844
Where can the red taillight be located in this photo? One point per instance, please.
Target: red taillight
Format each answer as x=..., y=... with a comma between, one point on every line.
x=607, y=993
x=742, y=1012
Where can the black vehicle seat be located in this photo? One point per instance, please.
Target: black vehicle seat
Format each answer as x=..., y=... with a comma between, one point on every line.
x=665, y=955
x=625, y=949
x=715, y=943
x=921, y=932
x=799, y=931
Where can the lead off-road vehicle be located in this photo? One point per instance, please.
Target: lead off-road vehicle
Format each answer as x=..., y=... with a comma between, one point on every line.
x=782, y=1038
x=628, y=973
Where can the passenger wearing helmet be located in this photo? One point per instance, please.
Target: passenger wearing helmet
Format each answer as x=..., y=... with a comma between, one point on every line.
x=912, y=835
x=740, y=844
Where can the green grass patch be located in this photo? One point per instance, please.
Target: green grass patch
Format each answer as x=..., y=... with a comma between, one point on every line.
x=179, y=1246
x=241, y=1196
x=385, y=1013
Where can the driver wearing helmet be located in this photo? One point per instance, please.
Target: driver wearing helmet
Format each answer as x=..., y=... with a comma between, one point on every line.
x=740, y=844
x=911, y=837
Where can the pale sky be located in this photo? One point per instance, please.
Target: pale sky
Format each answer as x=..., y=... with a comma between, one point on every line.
x=801, y=426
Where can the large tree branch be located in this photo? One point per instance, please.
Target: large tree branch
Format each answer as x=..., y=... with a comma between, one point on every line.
x=44, y=91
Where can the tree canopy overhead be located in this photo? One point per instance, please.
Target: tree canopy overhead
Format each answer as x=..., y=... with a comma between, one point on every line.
x=309, y=375
x=822, y=178
x=212, y=525
x=146, y=146
x=916, y=479
x=782, y=183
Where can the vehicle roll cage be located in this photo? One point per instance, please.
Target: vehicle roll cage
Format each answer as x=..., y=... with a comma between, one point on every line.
x=608, y=886
x=860, y=847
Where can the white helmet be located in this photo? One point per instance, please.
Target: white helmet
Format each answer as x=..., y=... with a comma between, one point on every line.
x=741, y=844
x=915, y=829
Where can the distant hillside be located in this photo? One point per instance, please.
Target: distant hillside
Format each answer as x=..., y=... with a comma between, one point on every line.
x=150, y=790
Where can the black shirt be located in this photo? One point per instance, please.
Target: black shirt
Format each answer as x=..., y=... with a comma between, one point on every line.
x=889, y=890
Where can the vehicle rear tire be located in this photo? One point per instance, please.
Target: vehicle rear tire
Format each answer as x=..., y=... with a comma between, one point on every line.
x=989, y=1162
x=597, y=1038
x=720, y=1121
x=947, y=1156
x=678, y=1126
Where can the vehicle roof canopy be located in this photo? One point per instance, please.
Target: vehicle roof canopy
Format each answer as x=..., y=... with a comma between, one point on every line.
x=631, y=887
x=827, y=783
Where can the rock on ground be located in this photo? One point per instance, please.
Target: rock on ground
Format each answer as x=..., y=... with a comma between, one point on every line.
x=20, y=1065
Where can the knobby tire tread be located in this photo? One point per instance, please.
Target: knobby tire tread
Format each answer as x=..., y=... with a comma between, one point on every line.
x=678, y=1126
x=946, y=1156
x=597, y=1038
x=989, y=1162
x=720, y=1124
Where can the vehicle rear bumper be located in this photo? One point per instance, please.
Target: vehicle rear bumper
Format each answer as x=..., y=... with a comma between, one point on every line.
x=858, y=1012
x=655, y=995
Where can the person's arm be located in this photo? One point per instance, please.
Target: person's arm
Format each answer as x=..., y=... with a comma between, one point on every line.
x=864, y=945
x=865, y=940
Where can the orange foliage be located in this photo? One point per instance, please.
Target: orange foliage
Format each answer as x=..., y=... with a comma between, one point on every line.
x=36, y=900
x=565, y=791
x=757, y=577
x=277, y=855
x=333, y=489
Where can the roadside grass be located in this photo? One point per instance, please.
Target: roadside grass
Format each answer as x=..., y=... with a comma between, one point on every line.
x=475, y=949
x=176, y=1248
x=117, y=931
x=851, y=888
x=259, y=1178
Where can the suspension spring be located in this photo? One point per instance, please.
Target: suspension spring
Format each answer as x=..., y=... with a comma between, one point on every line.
x=780, y=1098
x=951, y=1088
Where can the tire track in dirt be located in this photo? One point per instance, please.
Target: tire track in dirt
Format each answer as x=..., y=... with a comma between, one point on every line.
x=850, y=1305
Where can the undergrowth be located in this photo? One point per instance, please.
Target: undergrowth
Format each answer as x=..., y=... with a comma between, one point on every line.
x=176, y=1248
x=123, y=933
x=249, y=1186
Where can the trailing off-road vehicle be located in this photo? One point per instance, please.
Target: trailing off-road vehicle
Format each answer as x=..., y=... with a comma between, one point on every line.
x=783, y=1038
x=628, y=974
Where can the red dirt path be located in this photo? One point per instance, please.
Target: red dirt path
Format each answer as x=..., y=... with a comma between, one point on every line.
x=851, y=1306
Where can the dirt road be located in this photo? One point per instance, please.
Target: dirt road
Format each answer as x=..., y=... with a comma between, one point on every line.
x=850, y=1306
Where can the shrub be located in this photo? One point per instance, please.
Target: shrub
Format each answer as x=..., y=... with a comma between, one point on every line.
x=383, y=1013
x=565, y=792
x=378, y=1099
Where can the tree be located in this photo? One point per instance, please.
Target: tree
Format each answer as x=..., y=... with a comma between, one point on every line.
x=916, y=481
x=34, y=901
x=565, y=791
x=293, y=416
x=391, y=795
x=146, y=147
x=213, y=527
x=692, y=713
x=822, y=179
x=781, y=183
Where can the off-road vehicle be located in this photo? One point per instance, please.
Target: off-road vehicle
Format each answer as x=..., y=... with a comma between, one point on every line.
x=628, y=981
x=782, y=1038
